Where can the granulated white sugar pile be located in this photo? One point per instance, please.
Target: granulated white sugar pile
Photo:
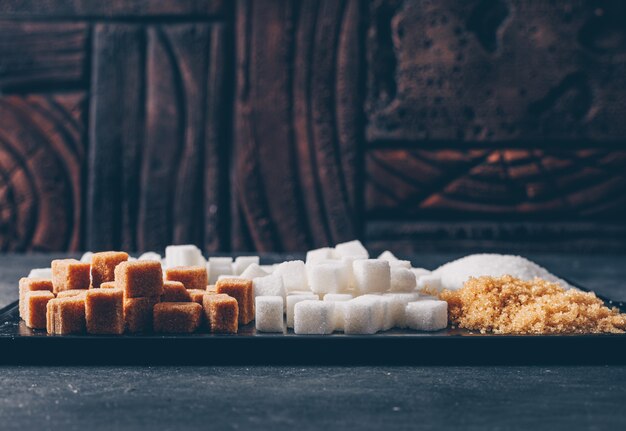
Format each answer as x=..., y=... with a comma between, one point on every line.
x=454, y=274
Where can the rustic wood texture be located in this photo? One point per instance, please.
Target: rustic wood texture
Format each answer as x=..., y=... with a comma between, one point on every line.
x=496, y=70
x=41, y=157
x=111, y=8
x=155, y=157
x=42, y=55
x=297, y=124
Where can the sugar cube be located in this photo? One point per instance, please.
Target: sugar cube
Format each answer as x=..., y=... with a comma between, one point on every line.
x=70, y=274
x=348, y=261
x=268, y=268
x=139, y=278
x=340, y=300
x=73, y=292
x=429, y=283
x=177, y=317
x=183, y=255
x=397, y=306
x=269, y=313
x=387, y=255
x=174, y=291
x=402, y=280
x=319, y=254
x=221, y=312
x=351, y=248
x=196, y=295
x=314, y=317
x=253, y=271
x=192, y=277
x=104, y=311
x=292, y=300
x=243, y=262
x=219, y=266
x=66, y=315
x=138, y=313
x=242, y=290
x=40, y=273
x=427, y=315
x=294, y=275
x=28, y=284
x=86, y=257
x=364, y=315
x=36, y=302
x=270, y=285
x=103, y=266
x=150, y=255
x=371, y=275
x=400, y=264
x=328, y=277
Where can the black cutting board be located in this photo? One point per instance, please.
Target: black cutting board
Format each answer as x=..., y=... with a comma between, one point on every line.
x=21, y=345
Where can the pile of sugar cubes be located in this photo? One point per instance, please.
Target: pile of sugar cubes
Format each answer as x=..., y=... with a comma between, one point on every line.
x=336, y=289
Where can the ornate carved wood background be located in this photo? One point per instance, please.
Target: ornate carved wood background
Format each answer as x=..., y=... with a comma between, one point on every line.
x=284, y=125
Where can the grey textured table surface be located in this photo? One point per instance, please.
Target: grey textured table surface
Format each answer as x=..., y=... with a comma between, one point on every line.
x=497, y=398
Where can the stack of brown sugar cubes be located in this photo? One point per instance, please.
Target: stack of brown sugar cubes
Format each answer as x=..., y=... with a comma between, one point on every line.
x=114, y=294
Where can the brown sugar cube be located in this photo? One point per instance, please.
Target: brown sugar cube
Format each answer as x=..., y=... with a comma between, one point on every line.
x=242, y=291
x=36, y=305
x=31, y=284
x=104, y=311
x=139, y=278
x=108, y=285
x=70, y=274
x=221, y=312
x=193, y=277
x=71, y=292
x=174, y=291
x=196, y=295
x=177, y=317
x=103, y=266
x=66, y=315
x=138, y=313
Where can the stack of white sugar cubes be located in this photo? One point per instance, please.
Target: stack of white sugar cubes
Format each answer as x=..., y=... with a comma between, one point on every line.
x=336, y=289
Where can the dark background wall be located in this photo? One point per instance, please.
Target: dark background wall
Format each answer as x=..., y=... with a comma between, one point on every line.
x=284, y=125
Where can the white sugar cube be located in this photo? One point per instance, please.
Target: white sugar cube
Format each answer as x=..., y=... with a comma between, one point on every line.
x=397, y=306
x=402, y=280
x=314, y=317
x=319, y=254
x=349, y=262
x=269, y=313
x=229, y=277
x=299, y=292
x=363, y=315
x=270, y=285
x=294, y=275
x=340, y=300
x=427, y=315
x=253, y=271
x=292, y=300
x=268, y=268
x=330, y=277
x=400, y=264
x=243, y=262
x=217, y=266
x=86, y=257
x=419, y=272
x=371, y=275
x=151, y=256
x=183, y=255
x=40, y=273
x=429, y=283
x=351, y=248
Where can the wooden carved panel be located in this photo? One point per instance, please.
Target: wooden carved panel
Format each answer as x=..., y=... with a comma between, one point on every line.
x=156, y=169
x=496, y=70
x=41, y=159
x=35, y=55
x=565, y=185
x=297, y=124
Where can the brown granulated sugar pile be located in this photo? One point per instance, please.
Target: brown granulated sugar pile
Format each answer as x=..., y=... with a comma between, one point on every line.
x=508, y=305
